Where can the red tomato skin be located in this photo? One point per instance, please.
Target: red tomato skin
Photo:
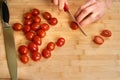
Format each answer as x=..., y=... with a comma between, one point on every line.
x=37, y=40
x=23, y=50
x=17, y=26
x=74, y=25
x=53, y=21
x=28, y=21
x=60, y=42
x=106, y=33
x=32, y=47
x=41, y=33
x=35, y=12
x=35, y=26
x=27, y=15
x=47, y=15
x=24, y=59
x=29, y=35
x=36, y=56
x=44, y=26
x=46, y=53
x=26, y=28
x=98, y=40
x=51, y=46
x=36, y=19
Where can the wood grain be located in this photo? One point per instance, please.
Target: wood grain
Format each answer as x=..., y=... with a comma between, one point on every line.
x=79, y=58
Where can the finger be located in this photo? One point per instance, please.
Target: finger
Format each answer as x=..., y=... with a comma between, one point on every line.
x=55, y=2
x=90, y=19
x=84, y=13
x=61, y=4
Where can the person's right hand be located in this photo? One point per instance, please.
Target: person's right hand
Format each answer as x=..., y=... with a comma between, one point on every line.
x=60, y=3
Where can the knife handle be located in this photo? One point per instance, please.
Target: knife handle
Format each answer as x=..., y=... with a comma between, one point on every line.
x=66, y=8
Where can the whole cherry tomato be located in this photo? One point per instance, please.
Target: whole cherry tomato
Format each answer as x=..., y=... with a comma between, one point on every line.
x=36, y=56
x=60, y=42
x=36, y=19
x=44, y=26
x=53, y=21
x=30, y=35
x=35, y=12
x=106, y=33
x=37, y=40
x=74, y=25
x=98, y=40
x=41, y=33
x=17, y=26
x=51, y=46
x=32, y=47
x=46, y=15
x=26, y=28
x=24, y=59
x=27, y=15
x=23, y=50
x=28, y=21
x=46, y=53
x=35, y=26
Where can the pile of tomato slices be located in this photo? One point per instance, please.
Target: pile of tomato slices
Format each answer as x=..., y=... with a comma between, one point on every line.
x=34, y=32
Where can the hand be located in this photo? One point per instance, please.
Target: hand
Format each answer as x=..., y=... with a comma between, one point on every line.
x=60, y=3
x=91, y=11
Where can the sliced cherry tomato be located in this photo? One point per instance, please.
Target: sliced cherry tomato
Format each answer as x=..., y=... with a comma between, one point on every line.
x=36, y=56
x=30, y=35
x=41, y=33
x=32, y=47
x=24, y=59
x=23, y=50
x=44, y=26
x=37, y=40
x=98, y=40
x=17, y=26
x=106, y=33
x=51, y=46
x=35, y=12
x=60, y=42
x=46, y=15
x=46, y=53
x=35, y=26
x=53, y=21
x=26, y=28
x=74, y=25
x=27, y=15
x=28, y=21
x=36, y=19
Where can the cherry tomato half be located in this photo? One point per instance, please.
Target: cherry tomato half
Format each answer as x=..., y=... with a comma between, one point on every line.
x=30, y=35
x=44, y=26
x=41, y=33
x=74, y=25
x=36, y=56
x=53, y=21
x=98, y=40
x=37, y=40
x=23, y=50
x=46, y=15
x=46, y=53
x=106, y=33
x=51, y=46
x=35, y=12
x=17, y=26
x=24, y=59
x=60, y=42
x=32, y=47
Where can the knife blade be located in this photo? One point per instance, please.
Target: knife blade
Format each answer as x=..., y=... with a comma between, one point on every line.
x=66, y=9
x=9, y=42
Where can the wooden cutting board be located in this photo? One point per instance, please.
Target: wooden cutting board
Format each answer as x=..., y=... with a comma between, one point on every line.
x=79, y=58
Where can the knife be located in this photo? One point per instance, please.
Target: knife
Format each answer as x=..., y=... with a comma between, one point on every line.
x=66, y=9
x=9, y=42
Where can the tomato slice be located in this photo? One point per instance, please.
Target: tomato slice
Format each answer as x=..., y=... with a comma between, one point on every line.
x=106, y=33
x=98, y=40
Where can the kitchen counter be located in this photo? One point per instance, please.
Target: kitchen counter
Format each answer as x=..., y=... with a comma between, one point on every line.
x=79, y=58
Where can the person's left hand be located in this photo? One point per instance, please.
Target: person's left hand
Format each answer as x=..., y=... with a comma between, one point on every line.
x=90, y=12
